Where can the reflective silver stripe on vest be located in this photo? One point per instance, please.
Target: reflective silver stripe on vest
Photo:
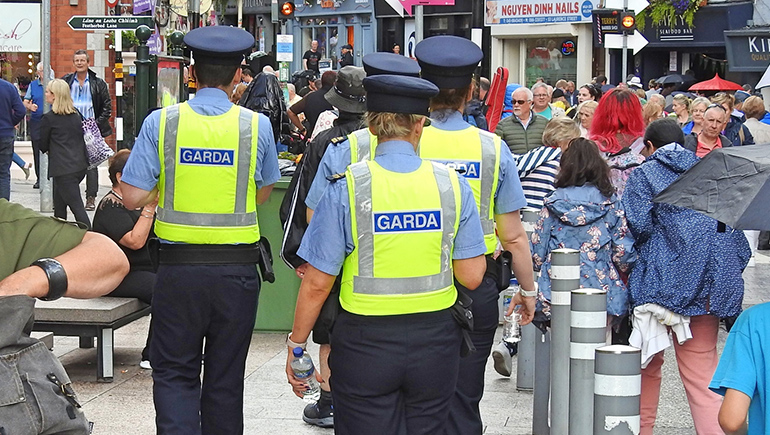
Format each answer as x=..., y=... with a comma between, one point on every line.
x=363, y=145
x=488, y=161
x=365, y=282
x=239, y=217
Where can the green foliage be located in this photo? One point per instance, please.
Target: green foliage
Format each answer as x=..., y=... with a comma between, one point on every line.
x=662, y=12
x=129, y=39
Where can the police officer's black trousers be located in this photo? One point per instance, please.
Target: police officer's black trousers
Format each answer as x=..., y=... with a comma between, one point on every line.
x=464, y=415
x=190, y=303
x=393, y=375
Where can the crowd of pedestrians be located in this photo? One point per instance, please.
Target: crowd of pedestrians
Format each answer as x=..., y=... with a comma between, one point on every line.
x=590, y=160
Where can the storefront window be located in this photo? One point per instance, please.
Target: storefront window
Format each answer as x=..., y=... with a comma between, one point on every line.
x=552, y=59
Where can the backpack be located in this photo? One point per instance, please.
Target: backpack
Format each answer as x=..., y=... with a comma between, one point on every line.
x=36, y=396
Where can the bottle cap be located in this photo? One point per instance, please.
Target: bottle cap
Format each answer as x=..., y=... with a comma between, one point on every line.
x=298, y=351
x=514, y=282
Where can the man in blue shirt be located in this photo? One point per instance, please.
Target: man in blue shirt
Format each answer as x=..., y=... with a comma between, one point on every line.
x=208, y=171
x=33, y=101
x=12, y=111
x=742, y=375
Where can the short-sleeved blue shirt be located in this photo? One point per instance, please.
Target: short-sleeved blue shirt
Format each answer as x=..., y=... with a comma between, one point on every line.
x=508, y=197
x=744, y=365
x=143, y=166
x=35, y=94
x=329, y=237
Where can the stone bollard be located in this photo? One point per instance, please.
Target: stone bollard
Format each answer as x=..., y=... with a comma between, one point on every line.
x=617, y=390
x=565, y=277
x=588, y=326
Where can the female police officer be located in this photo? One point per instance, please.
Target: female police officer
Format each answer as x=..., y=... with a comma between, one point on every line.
x=449, y=62
x=402, y=227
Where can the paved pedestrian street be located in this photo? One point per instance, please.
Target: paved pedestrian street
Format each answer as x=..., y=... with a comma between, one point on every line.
x=125, y=405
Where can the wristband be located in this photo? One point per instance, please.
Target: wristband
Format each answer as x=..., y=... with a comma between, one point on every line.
x=528, y=294
x=292, y=344
x=57, y=278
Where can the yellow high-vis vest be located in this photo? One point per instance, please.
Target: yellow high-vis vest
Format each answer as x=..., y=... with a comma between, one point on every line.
x=362, y=143
x=475, y=154
x=404, y=226
x=207, y=190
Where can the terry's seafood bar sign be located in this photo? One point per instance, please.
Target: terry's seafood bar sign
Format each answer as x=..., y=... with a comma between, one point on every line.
x=19, y=27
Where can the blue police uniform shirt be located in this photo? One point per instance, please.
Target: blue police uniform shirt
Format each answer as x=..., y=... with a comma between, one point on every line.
x=329, y=237
x=744, y=366
x=508, y=197
x=143, y=166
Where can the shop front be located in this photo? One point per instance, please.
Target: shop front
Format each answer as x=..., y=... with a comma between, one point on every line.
x=20, y=45
x=256, y=20
x=699, y=50
x=550, y=40
x=748, y=53
x=333, y=23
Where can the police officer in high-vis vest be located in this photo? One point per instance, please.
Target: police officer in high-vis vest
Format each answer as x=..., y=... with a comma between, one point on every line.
x=360, y=144
x=488, y=166
x=211, y=163
x=402, y=229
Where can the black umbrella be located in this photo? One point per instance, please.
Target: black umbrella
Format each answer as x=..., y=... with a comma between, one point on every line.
x=729, y=185
x=670, y=79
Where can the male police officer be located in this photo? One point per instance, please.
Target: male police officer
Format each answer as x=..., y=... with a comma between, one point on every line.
x=402, y=227
x=486, y=162
x=211, y=162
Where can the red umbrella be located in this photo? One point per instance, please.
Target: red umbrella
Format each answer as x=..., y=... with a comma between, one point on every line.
x=716, y=84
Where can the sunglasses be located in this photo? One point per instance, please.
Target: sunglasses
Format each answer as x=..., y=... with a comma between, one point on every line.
x=519, y=102
x=711, y=106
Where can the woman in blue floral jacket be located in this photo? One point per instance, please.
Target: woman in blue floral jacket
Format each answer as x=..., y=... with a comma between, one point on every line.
x=685, y=266
x=583, y=213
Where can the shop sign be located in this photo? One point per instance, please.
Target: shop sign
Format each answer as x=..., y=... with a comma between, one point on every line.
x=747, y=50
x=568, y=47
x=539, y=12
x=20, y=29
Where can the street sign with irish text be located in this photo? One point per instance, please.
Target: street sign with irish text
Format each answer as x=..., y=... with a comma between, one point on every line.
x=82, y=22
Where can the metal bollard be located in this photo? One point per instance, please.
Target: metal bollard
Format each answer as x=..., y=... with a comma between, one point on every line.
x=540, y=402
x=565, y=277
x=617, y=390
x=588, y=326
x=525, y=359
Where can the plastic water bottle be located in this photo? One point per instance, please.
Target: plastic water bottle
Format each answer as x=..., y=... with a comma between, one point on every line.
x=302, y=366
x=511, y=328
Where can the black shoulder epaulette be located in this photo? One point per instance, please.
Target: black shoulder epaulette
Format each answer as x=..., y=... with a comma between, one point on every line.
x=339, y=140
x=335, y=177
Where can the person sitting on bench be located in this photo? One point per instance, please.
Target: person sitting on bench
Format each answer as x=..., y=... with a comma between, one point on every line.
x=130, y=229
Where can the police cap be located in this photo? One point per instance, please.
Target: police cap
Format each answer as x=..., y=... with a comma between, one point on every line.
x=390, y=63
x=219, y=45
x=398, y=94
x=448, y=61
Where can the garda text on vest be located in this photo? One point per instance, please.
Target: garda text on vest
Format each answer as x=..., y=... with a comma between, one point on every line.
x=207, y=157
x=407, y=221
x=466, y=168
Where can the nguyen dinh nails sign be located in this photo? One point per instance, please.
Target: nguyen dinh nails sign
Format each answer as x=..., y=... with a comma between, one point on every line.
x=19, y=27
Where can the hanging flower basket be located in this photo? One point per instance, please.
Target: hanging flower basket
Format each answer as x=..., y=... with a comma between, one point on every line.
x=667, y=12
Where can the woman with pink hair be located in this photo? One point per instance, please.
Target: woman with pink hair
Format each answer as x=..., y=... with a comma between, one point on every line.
x=618, y=130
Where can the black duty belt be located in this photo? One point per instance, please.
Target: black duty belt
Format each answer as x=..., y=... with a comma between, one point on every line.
x=208, y=254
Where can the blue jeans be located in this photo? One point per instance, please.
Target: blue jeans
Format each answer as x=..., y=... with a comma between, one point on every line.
x=6, y=155
x=18, y=160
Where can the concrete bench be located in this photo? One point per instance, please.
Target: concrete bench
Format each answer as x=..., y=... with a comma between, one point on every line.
x=89, y=318
x=45, y=337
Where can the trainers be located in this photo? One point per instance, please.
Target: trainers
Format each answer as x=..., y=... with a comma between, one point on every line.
x=145, y=365
x=319, y=415
x=502, y=358
x=26, y=168
x=90, y=203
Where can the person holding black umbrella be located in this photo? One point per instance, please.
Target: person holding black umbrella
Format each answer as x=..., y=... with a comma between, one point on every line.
x=695, y=281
